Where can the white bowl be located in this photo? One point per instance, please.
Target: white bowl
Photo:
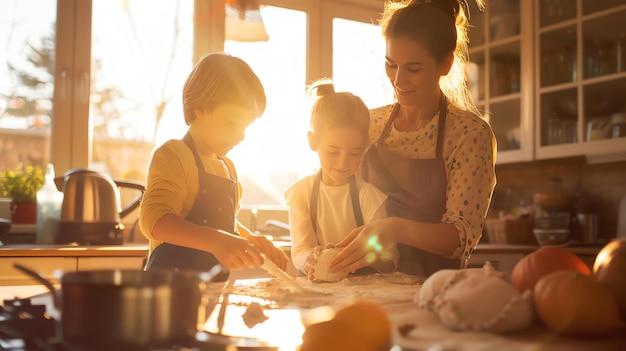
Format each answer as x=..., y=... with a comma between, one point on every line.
x=546, y=237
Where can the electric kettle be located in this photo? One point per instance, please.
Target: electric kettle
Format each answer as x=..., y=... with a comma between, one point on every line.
x=91, y=211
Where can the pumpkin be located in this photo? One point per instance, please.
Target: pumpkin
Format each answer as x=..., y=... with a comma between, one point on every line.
x=575, y=304
x=609, y=268
x=362, y=325
x=542, y=262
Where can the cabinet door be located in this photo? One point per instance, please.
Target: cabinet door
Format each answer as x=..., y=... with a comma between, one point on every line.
x=91, y=263
x=46, y=266
x=500, y=83
x=581, y=68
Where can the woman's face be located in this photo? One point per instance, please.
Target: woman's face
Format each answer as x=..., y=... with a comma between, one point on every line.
x=413, y=71
x=340, y=150
x=222, y=128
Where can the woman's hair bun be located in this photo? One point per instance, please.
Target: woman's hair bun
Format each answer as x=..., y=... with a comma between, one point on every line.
x=450, y=7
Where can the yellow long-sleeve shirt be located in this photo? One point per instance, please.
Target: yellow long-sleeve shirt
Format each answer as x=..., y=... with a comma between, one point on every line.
x=172, y=184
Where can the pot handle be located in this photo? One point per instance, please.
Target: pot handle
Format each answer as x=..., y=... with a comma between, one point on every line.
x=136, y=201
x=38, y=277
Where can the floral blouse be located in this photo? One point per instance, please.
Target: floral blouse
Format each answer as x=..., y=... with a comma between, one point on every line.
x=469, y=151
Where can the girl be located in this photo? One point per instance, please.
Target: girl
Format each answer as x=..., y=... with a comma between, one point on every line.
x=324, y=207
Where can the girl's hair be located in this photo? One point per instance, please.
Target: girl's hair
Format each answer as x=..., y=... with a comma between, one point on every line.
x=332, y=109
x=441, y=27
x=221, y=79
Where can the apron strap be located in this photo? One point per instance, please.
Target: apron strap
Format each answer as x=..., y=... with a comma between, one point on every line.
x=189, y=142
x=356, y=205
x=313, y=204
x=354, y=196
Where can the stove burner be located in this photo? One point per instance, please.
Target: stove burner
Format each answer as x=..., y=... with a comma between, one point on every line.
x=28, y=327
x=24, y=326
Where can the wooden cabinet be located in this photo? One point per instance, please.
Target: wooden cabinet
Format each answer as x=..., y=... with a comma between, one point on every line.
x=49, y=266
x=51, y=259
x=580, y=48
x=500, y=58
x=90, y=263
x=550, y=76
x=46, y=266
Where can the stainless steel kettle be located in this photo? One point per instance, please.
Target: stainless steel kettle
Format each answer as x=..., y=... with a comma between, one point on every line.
x=91, y=211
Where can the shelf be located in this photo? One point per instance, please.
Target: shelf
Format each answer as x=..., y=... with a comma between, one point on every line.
x=580, y=79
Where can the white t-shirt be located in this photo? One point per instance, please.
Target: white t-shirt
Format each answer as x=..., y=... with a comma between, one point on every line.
x=335, y=215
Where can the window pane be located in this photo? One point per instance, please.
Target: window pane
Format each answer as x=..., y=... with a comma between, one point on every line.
x=275, y=151
x=141, y=55
x=359, y=62
x=27, y=39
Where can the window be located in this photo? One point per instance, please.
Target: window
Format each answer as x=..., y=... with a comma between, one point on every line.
x=27, y=39
x=113, y=92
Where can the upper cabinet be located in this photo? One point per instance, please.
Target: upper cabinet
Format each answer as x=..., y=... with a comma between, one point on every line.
x=580, y=77
x=500, y=55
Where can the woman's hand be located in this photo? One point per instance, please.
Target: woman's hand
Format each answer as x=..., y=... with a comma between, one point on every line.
x=271, y=252
x=363, y=246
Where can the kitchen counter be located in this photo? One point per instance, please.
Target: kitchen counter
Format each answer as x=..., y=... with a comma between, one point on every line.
x=285, y=325
x=17, y=250
x=38, y=250
x=577, y=248
x=49, y=258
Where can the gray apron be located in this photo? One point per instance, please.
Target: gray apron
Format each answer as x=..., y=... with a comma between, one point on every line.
x=356, y=210
x=416, y=190
x=214, y=207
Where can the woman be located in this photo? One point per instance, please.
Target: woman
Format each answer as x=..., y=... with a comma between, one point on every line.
x=432, y=153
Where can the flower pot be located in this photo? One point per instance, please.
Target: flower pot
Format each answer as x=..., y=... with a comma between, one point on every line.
x=23, y=212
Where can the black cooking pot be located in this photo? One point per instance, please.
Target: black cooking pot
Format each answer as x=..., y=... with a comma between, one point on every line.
x=130, y=309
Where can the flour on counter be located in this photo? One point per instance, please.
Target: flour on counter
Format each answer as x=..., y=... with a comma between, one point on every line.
x=380, y=288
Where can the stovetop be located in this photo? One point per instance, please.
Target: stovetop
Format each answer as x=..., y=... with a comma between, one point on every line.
x=27, y=326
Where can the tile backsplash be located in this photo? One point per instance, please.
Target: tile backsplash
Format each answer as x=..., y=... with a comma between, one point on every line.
x=601, y=185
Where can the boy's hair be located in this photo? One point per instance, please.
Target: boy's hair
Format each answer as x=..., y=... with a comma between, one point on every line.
x=332, y=109
x=221, y=79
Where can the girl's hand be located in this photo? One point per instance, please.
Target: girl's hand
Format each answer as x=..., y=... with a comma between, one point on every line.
x=311, y=261
x=309, y=265
x=271, y=252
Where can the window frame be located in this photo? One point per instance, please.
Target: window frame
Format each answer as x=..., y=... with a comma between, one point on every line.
x=71, y=135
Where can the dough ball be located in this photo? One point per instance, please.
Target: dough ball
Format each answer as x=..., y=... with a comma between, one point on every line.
x=443, y=279
x=320, y=268
x=486, y=304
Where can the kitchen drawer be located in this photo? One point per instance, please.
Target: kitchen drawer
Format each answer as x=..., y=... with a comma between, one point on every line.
x=91, y=263
x=46, y=266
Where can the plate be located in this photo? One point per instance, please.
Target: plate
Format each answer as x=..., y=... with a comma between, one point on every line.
x=23, y=228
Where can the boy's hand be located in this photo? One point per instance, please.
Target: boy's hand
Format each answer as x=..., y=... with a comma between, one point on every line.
x=235, y=252
x=266, y=247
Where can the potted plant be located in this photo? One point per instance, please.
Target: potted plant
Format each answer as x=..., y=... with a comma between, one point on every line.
x=21, y=185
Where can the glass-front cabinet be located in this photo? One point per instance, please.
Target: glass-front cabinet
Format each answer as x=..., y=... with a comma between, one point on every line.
x=500, y=51
x=580, y=58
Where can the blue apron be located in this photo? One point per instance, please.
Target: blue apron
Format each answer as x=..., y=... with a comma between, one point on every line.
x=214, y=207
